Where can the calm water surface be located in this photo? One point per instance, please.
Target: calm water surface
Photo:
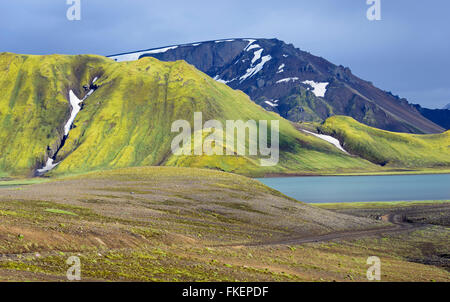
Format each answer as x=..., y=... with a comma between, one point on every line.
x=323, y=189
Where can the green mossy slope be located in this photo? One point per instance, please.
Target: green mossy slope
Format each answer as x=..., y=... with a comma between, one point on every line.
x=34, y=106
x=389, y=148
x=127, y=120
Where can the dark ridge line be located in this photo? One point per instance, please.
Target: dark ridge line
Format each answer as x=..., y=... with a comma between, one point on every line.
x=181, y=45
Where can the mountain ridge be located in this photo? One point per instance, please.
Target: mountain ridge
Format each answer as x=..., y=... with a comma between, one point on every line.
x=440, y=117
x=126, y=121
x=282, y=78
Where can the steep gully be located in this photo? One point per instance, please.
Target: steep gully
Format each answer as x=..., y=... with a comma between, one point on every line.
x=75, y=103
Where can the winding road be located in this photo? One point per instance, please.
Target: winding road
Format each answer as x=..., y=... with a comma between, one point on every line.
x=399, y=225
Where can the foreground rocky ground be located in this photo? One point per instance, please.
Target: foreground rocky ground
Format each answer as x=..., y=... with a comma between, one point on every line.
x=169, y=224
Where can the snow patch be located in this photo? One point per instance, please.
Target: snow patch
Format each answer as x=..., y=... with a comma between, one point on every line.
x=257, y=55
x=135, y=55
x=272, y=104
x=328, y=139
x=287, y=80
x=218, y=79
x=253, y=47
x=76, y=107
x=161, y=50
x=319, y=89
x=48, y=166
x=281, y=68
x=250, y=42
x=254, y=70
x=221, y=41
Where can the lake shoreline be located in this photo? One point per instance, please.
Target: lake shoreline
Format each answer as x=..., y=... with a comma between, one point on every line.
x=384, y=173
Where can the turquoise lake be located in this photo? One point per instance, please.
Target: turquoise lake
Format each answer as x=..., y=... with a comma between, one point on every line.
x=324, y=189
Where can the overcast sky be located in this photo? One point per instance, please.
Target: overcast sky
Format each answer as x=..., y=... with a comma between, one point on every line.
x=407, y=52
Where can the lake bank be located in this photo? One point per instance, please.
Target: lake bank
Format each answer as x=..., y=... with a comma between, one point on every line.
x=370, y=173
x=430, y=212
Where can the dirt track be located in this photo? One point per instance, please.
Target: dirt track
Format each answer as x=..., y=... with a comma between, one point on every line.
x=399, y=226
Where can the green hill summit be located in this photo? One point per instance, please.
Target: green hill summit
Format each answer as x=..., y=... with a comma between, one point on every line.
x=127, y=120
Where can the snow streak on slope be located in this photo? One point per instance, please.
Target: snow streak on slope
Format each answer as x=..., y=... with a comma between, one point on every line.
x=250, y=42
x=135, y=55
x=272, y=104
x=48, y=166
x=257, y=55
x=254, y=70
x=287, y=80
x=221, y=41
x=254, y=46
x=75, y=103
x=218, y=79
x=329, y=139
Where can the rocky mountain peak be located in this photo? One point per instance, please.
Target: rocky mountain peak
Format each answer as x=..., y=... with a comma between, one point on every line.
x=294, y=83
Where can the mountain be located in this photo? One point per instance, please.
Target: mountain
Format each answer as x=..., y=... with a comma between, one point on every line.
x=125, y=113
x=440, y=117
x=447, y=107
x=389, y=148
x=293, y=83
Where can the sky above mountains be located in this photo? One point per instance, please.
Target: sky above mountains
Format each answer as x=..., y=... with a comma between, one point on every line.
x=407, y=52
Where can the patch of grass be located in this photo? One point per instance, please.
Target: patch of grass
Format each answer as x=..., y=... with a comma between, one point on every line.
x=22, y=182
x=56, y=211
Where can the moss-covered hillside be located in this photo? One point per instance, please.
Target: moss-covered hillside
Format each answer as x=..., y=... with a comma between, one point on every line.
x=389, y=148
x=34, y=105
x=127, y=120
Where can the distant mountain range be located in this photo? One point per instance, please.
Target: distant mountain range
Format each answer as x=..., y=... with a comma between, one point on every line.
x=447, y=107
x=438, y=116
x=295, y=84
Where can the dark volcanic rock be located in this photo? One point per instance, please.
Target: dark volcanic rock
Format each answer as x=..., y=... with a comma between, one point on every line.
x=280, y=78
